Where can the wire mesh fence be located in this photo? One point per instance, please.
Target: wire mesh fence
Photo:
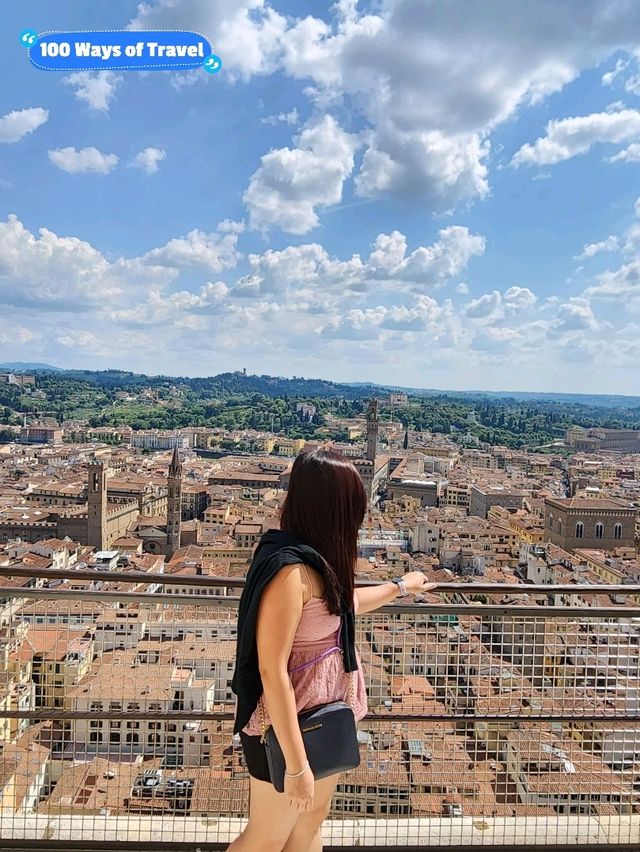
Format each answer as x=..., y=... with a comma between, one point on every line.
x=488, y=724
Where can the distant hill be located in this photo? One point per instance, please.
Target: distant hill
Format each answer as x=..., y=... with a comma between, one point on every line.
x=279, y=386
x=23, y=366
x=595, y=399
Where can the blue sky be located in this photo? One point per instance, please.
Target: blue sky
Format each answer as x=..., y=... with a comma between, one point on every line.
x=438, y=195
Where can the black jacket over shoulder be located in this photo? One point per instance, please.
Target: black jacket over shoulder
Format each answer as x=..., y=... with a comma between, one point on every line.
x=275, y=550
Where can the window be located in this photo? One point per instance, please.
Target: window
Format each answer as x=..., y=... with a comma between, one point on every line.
x=617, y=532
x=599, y=530
x=550, y=521
x=559, y=526
x=579, y=530
x=114, y=737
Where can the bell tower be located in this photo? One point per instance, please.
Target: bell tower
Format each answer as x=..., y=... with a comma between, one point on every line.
x=174, y=503
x=372, y=430
x=97, y=505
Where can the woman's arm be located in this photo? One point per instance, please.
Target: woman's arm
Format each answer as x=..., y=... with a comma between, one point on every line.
x=369, y=598
x=278, y=616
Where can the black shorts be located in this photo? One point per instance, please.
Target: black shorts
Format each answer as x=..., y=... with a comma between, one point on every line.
x=255, y=756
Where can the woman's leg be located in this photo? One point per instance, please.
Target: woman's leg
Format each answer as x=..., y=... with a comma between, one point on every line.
x=306, y=835
x=271, y=820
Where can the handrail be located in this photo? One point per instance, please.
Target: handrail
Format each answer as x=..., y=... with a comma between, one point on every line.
x=516, y=610
x=239, y=582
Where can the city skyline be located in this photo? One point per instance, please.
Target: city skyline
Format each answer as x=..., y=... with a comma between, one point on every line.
x=387, y=192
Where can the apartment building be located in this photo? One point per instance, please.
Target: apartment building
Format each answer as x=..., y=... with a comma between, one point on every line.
x=26, y=775
x=483, y=497
x=57, y=661
x=559, y=774
x=157, y=439
x=123, y=681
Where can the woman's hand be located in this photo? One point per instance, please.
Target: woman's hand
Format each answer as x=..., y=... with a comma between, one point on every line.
x=299, y=791
x=417, y=583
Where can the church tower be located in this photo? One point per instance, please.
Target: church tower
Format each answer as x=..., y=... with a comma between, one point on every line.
x=97, y=505
x=174, y=503
x=372, y=430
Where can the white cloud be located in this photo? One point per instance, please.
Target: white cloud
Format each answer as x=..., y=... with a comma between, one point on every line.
x=576, y=314
x=610, y=76
x=443, y=169
x=292, y=117
x=148, y=160
x=14, y=125
x=211, y=252
x=182, y=79
x=429, y=84
x=485, y=306
x=17, y=335
x=79, y=160
x=292, y=182
x=86, y=340
x=518, y=299
x=631, y=154
x=633, y=85
x=318, y=279
x=617, y=283
x=434, y=264
x=622, y=283
x=497, y=305
x=245, y=33
x=433, y=84
x=425, y=317
x=95, y=88
x=610, y=244
x=162, y=308
x=568, y=137
x=61, y=272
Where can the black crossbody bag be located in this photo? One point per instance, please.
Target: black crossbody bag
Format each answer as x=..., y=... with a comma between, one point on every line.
x=330, y=740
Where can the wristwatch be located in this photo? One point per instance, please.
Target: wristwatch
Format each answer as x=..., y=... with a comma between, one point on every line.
x=400, y=583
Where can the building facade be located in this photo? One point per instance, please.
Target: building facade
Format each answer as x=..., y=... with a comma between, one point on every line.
x=576, y=522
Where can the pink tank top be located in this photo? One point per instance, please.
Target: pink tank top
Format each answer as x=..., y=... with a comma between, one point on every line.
x=316, y=667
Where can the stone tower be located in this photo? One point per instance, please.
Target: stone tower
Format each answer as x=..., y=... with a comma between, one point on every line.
x=372, y=430
x=97, y=505
x=174, y=503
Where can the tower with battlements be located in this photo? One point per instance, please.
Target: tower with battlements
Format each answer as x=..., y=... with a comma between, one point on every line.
x=97, y=505
x=372, y=430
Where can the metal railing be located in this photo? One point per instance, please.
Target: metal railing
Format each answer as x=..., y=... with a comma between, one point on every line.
x=511, y=722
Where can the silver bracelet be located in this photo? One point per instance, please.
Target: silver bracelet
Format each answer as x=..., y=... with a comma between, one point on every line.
x=298, y=774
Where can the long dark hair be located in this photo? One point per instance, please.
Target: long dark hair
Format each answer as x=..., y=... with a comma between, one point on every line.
x=325, y=506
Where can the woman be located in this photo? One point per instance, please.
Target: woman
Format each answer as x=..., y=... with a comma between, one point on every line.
x=296, y=644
